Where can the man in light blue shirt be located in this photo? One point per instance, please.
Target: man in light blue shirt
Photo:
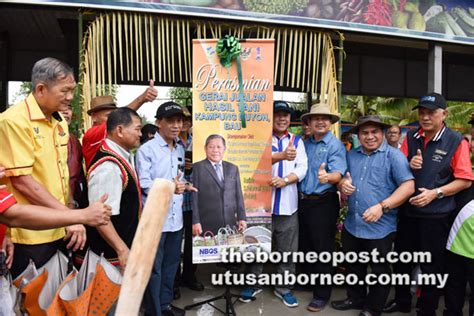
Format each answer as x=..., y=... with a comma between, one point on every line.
x=378, y=180
x=163, y=157
x=318, y=207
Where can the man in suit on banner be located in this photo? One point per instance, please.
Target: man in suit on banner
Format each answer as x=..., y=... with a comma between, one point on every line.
x=220, y=201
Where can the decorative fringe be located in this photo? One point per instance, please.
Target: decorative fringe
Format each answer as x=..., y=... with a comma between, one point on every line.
x=158, y=47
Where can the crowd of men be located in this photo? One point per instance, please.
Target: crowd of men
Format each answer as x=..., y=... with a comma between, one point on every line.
x=400, y=196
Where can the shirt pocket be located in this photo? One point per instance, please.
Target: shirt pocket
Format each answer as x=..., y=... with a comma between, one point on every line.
x=377, y=177
x=39, y=143
x=322, y=155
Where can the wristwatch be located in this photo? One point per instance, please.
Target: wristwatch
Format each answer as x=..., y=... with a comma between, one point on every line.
x=286, y=180
x=385, y=208
x=439, y=193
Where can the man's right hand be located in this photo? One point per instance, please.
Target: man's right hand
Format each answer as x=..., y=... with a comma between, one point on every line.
x=416, y=161
x=290, y=152
x=346, y=186
x=98, y=213
x=150, y=94
x=197, y=229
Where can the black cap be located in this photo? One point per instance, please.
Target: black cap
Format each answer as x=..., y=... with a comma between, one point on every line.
x=432, y=101
x=281, y=106
x=169, y=109
x=471, y=121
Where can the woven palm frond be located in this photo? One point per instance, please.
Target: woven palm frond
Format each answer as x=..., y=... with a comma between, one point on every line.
x=137, y=47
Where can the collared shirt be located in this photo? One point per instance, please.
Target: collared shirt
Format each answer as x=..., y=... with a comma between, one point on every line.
x=6, y=201
x=107, y=178
x=155, y=159
x=32, y=145
x=328, y=150
x=285, y=200
x=376, y=176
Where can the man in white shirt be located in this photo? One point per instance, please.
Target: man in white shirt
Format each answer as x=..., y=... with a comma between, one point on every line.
x=112, y=171
x=289, y=167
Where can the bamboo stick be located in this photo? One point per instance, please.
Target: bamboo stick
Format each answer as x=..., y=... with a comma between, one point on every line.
x=102, y=55
x=171, y=64
x=120, y=43
x=137, y=45
x=140, y=44
x=144, y=248
x=152, y=37
x=125, y=18
x=178, y=34
x=109, y=55
x=147, y=47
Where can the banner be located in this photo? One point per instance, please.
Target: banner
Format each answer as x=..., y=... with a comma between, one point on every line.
x=439, y=20
x=238, y=189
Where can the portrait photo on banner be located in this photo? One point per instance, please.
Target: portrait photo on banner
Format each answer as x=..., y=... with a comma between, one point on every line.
x=232, y=129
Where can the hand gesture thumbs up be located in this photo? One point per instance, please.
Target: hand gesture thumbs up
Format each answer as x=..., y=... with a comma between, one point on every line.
x=416, y=161
x=345, y=186
x=323, y=176
x=104, y=198
x=150, y=94
x=180, y=186
x=290, y=151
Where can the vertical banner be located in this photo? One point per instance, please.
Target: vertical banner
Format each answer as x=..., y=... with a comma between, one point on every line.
x=243, y=197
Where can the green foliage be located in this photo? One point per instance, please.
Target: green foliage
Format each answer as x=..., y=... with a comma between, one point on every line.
x=144, y=120
x=76, y=121
x=399, y=111
x=459, y=113
x=109, y=90
x=25, y=89
x=391, y=110
x=182, y=96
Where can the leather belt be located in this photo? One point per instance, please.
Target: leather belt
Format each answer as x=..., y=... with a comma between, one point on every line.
x=315, y=196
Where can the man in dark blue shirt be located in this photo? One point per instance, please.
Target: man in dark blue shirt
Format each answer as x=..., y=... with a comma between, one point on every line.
x=439, y=159
x=377, y=182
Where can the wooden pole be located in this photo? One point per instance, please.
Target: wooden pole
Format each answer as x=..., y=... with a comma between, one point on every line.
x=144, y=247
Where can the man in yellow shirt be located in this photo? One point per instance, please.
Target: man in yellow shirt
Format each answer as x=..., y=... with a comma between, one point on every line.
x=34, y=153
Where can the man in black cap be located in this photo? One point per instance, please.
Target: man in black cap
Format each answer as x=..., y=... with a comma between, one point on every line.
x=163, y=157
x=378, y=181
x=439, y=159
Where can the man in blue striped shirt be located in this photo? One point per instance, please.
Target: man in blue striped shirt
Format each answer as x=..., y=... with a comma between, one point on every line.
x=378, y=181
x=289, y=166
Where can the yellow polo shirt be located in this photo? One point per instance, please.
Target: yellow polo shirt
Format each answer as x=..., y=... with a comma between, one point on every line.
x=31, y=145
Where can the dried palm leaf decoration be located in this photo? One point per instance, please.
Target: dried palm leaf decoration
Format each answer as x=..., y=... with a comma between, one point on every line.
x=135, y=47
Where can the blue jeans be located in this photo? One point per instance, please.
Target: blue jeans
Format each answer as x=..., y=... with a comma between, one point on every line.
x=159, y=292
